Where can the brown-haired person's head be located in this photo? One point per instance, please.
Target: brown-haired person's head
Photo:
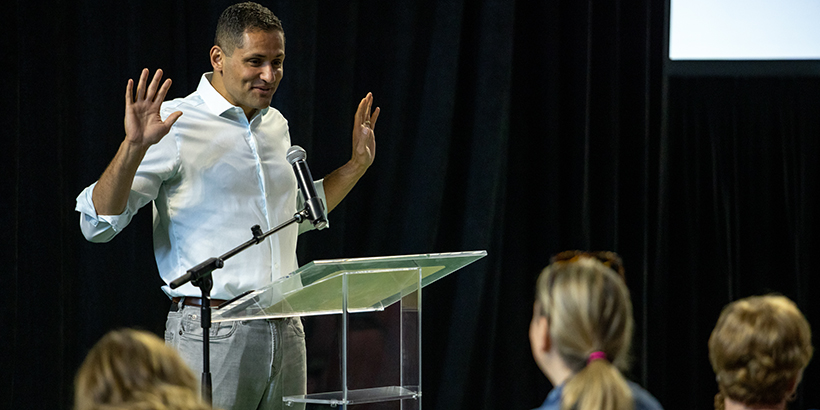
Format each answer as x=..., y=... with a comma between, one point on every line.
x=132, y=369
x=758, y=350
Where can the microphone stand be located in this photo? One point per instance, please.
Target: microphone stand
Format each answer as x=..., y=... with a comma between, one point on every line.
x=200, y=276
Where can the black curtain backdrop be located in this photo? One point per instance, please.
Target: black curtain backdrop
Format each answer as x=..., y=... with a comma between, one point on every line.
x=737, y=216
x=523, y=128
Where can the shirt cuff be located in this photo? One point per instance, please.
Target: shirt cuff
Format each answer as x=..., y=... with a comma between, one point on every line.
x=98, y=228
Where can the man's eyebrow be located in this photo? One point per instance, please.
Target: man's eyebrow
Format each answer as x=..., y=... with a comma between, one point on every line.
x=259, y=55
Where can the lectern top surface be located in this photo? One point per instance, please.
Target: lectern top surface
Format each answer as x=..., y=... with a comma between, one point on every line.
x=371, y=284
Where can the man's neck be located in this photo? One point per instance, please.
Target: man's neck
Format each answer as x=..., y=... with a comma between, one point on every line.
x=219, y=86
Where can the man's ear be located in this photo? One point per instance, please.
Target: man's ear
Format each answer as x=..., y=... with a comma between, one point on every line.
x=217, y=58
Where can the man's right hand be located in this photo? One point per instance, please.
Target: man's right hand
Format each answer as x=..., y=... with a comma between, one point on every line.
x=143, y=127
x=143, y=124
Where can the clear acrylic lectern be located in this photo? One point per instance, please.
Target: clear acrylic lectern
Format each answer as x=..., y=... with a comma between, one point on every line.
x=351, y=286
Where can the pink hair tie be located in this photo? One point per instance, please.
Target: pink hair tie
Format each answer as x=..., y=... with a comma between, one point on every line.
x=595, y=356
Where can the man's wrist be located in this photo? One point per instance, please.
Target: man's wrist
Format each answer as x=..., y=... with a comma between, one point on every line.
x=354, y=168
x=132, y=150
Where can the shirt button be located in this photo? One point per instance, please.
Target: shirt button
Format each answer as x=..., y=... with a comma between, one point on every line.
x=276, y=266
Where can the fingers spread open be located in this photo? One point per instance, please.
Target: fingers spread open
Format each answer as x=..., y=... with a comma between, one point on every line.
x=172, y=118
x=163, y=90
x=129, y=93
x=141, y=85
x=152, y=88
x=374, y=117
x=361, y=114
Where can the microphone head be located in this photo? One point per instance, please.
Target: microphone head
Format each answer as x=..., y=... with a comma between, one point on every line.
x=296, y=153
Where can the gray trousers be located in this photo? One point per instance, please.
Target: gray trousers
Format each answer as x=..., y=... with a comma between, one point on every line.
x=253, y=363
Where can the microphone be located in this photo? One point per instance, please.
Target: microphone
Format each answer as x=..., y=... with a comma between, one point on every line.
x=314, y=210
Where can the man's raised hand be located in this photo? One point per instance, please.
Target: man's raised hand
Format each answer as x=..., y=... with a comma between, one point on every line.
x=143, y=124
x=364, y=137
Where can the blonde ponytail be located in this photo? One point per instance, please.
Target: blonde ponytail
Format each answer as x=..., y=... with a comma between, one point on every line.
x=588, y=309
x=598, y=386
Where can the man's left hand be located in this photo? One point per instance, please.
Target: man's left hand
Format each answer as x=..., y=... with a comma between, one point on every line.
x=364, y=137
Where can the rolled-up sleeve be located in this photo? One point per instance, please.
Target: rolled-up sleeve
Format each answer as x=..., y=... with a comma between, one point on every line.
x=98, y=228
x=159, y=163
x=102, y=228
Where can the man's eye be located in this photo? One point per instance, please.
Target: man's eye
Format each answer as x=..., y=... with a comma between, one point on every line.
x=253, y=62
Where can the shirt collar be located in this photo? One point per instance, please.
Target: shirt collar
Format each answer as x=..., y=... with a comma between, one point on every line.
x=216, y=103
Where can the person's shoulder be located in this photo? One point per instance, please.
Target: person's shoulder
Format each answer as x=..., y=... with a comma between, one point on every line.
x=191, y=101
x=273, y=113
x=549, y=406
x=643, y=399
x=553, y=400
x=274, y=120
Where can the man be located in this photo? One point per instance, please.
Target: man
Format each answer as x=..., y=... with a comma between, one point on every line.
x=220, y=169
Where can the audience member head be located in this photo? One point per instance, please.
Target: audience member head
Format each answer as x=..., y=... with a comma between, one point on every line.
x=132, y=369
x=236, y=19
x=581, y=329
x=758, y=349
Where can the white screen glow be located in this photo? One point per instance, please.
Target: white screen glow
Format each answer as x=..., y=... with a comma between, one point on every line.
x=744, y=30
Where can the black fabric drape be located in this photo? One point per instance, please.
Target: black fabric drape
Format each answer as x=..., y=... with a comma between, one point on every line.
x=739, y=217
x=523, y=128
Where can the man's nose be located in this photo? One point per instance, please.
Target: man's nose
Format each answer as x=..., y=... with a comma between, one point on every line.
x=268, y=73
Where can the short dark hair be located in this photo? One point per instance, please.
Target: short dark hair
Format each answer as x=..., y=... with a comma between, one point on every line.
x=236, y=19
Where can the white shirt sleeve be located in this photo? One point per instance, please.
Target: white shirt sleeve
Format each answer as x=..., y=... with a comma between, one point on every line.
x=159, y=164
x=98, y=228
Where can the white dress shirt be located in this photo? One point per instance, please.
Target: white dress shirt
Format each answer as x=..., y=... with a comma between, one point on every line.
x=211, y=178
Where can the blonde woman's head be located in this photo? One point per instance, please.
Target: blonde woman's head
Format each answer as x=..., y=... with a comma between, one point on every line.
x=583, y=306
x=132, y=369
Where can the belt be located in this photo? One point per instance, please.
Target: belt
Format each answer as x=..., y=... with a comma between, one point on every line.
x=192, y=301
